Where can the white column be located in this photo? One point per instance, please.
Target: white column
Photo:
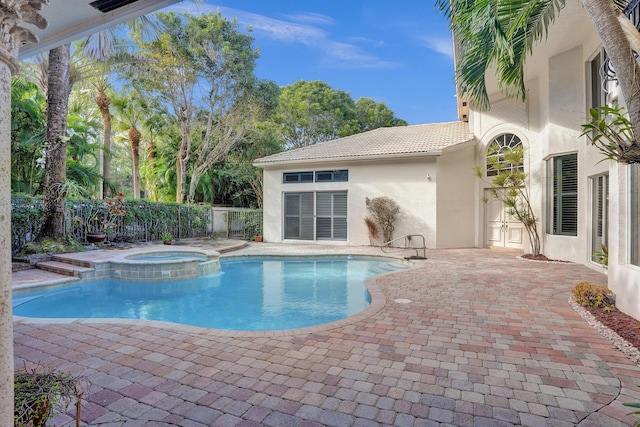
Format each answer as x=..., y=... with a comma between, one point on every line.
x=12, y=14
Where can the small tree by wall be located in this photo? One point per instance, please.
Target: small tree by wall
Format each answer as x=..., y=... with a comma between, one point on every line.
x=509, y=185
x=383, y=211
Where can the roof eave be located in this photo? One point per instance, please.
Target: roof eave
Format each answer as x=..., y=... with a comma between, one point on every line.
x=399, y=156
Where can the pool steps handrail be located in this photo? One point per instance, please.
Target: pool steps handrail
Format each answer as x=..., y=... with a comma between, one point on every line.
x=407, y=238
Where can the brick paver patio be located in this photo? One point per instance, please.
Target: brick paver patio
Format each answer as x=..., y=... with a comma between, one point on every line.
x=486, y=340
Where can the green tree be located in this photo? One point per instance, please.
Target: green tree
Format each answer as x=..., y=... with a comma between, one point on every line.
x=130, y=110
x=158, y=169
x=497, y=36
x=372, y=115
x=313, y=112
x=236, y=181
x=202, y=68
x=28, y=127
x=102, y=52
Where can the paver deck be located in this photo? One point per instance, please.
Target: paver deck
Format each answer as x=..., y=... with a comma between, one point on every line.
x=485, y=340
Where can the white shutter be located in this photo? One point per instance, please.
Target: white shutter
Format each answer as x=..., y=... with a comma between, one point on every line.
x=331, y=215
x=298, y=216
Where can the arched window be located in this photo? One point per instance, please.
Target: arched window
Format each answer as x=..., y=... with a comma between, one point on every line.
x=495, y=154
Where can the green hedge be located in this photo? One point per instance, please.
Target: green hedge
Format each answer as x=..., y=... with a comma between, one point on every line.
x=142, y=220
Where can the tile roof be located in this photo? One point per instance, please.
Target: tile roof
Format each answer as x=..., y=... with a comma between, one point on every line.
x=427, y=139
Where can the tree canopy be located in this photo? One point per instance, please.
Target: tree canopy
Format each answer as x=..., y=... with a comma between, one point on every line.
x=177, y=116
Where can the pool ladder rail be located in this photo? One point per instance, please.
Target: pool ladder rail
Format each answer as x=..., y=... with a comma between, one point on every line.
x=408, y=238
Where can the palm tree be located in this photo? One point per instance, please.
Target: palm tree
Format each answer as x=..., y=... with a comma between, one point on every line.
x=58, y=89
x=498, y=35
x=104, y=51
x=129, y=110
x=28, y=129
x=60, y=80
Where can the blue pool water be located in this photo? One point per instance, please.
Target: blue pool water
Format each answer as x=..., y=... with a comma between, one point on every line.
x=249, y=294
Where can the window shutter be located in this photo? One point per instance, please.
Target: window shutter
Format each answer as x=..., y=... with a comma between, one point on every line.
x=565, y=192
x=306, y=216
x=298, y=216
x=331, y=215
x=323, y=215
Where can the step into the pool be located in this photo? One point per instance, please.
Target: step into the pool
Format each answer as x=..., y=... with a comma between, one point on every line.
x=386, y=267
x=63, y=268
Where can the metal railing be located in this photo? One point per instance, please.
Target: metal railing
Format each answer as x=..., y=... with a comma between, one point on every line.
x=408, y=238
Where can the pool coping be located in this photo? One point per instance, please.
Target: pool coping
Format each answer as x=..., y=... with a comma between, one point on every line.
x=378, y=301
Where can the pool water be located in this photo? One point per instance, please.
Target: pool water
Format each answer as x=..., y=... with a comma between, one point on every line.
x=249, y=294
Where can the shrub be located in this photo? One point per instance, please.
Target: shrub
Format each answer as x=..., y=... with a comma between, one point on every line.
x=590, y=295
x=372, y=227
x=40, y=392
x=384, y=211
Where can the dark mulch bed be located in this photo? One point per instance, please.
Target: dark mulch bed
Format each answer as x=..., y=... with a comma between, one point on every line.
x=622, y=324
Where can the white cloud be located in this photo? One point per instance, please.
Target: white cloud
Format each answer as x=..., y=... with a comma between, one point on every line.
x=299, y=28
x=311, y=18
x=343, y=55
x=441, y=45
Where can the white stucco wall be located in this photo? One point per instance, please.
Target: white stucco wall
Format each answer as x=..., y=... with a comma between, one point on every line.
x=410, y=182
x=624, y=278
x=550, y=121
x=456, y=199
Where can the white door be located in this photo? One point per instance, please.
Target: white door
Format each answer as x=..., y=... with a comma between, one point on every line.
x=502, y=231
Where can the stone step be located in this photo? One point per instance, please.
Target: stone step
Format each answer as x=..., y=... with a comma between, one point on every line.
x=20, y=266
x=64, y=268
x=72, y=260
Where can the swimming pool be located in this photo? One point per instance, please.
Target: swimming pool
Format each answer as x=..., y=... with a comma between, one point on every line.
x=248, y=294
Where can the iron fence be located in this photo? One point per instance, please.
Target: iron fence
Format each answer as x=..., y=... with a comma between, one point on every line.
x=135, y=220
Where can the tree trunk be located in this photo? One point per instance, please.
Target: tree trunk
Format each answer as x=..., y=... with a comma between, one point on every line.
x=56, y=144
x=604, y=15
x=103, y=102
x=134, y=140
x=181, y=167
x=196, y=175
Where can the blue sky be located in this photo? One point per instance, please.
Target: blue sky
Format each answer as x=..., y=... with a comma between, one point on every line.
x=396, y=52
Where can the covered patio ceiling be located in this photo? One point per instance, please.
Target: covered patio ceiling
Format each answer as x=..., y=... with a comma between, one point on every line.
x=70, y=20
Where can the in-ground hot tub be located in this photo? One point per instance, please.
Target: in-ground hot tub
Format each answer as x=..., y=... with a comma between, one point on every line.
x=164, y=265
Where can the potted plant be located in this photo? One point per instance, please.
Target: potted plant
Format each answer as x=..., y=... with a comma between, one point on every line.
x=105, y=213
x=257, y=226
x=41, y=392
x=167, y=238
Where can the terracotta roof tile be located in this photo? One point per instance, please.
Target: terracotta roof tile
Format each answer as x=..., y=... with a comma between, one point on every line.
x=389, y=141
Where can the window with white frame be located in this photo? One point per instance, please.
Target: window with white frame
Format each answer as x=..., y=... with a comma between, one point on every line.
x=599, y=214
x=562, y=205
x=340, y=175
x=495, y=154
x=634, y=214
x=597, y=93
